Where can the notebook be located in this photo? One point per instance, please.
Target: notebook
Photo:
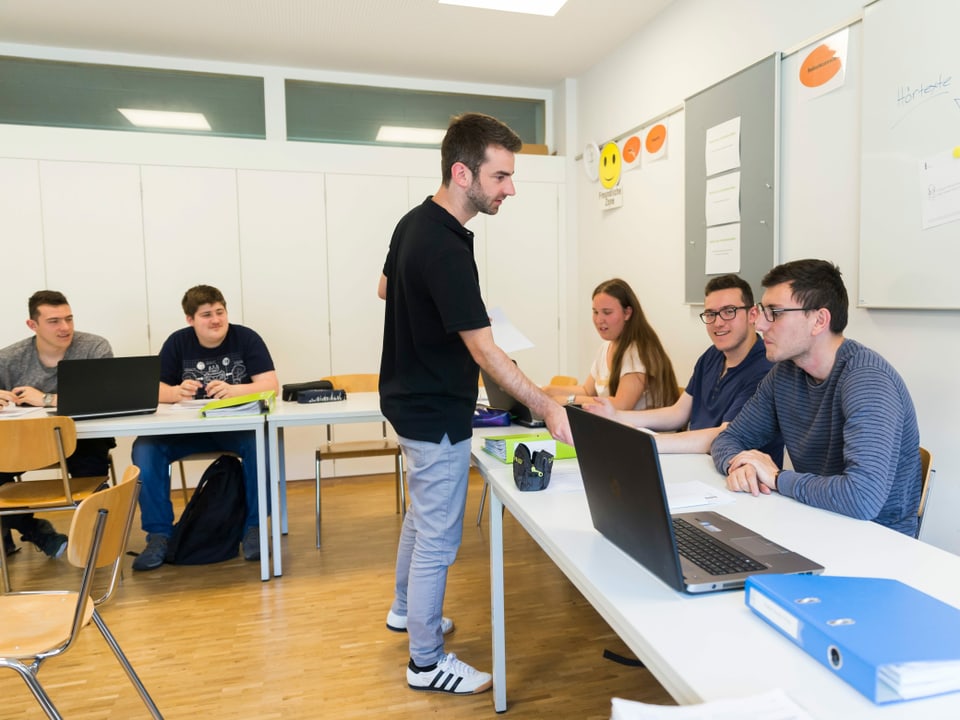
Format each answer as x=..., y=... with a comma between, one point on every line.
x=103, y=387
x=499, y=398
x=621, y=475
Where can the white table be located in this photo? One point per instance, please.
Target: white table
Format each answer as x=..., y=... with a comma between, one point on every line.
x=712, y=646
x=172, y=420
x=357, y=408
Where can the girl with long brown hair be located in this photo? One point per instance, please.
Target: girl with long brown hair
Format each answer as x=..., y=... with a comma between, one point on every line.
x=631, y=366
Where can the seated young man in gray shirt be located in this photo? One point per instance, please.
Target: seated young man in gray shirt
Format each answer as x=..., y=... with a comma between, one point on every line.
x=28, y=374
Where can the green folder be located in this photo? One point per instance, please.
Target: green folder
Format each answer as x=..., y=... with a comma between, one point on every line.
x=250, y=404
x=502, y=446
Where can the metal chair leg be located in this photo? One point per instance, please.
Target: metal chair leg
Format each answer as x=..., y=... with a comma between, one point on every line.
x=317, y=475
x=131, y=673
x=483, y=500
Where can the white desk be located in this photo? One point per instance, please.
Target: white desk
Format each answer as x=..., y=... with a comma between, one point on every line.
x=357, y=408
x=712, y=646
x=169, y=420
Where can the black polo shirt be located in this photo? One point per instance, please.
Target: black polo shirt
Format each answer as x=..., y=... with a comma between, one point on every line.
x=428, y=379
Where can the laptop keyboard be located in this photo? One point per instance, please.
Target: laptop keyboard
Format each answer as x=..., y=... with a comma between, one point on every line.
x=709, y=554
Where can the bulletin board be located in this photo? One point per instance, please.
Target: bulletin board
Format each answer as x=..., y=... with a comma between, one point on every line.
x=910, y=156
x=753, y=96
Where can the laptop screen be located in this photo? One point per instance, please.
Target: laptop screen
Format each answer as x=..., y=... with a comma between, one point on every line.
x=103, y=387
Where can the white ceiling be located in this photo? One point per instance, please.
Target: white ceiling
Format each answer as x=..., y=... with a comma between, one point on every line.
x=407, y=38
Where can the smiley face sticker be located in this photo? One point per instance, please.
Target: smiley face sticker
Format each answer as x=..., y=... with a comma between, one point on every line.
x=610, y=165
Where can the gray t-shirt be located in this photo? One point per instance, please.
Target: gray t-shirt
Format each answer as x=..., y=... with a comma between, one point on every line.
x=20, y=365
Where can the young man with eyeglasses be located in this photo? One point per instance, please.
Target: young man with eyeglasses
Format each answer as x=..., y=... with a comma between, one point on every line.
x=845, y=414
x=724, y=378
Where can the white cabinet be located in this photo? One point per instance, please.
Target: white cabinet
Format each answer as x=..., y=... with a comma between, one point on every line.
x=93, y=248
x=297, y=255
x=191, y=237
x=21, y=239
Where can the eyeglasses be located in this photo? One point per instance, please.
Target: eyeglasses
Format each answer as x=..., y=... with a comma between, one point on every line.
x=771, y=314
x=727, y=313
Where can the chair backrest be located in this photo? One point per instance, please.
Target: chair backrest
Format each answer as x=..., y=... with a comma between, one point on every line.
x=35, y=443
x=563, y=380
x=359, y=382
x=119, y=501
x=926, y=461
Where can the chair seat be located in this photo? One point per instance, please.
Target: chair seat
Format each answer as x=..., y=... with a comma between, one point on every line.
x=46, y=494
x=358, y=448
x=35, y=623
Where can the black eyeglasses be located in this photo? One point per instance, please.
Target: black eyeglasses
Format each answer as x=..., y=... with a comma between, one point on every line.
x=771, y=314
x=727, y=313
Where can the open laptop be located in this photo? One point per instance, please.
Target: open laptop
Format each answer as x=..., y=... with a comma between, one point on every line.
x=499, y=398
x=628, y=504
x=103, y=387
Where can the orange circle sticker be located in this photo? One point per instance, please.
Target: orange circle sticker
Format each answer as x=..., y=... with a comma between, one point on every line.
x=631, y=149
x=819, y=67
x=656, y=136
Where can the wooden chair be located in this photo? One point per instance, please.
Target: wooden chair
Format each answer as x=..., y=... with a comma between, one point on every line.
x=926, y=473
x=564, y=380
x=381, y=447
x=41, y=625
x=34, y=444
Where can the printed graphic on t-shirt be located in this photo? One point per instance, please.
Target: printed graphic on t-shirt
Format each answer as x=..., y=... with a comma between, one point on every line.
x=229, y=368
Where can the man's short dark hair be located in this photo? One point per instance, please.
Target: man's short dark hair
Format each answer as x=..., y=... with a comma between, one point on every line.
x=729, y=282
x=200, y=295
x=44, y=297
x=467, y=139
x=814, y=284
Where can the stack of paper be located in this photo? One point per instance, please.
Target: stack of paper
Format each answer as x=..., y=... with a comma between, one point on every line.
x=773, y=705
x=502, y=446
x=250, y=404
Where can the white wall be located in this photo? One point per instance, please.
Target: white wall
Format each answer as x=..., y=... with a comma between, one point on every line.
x=690, y=46
x=293, y=233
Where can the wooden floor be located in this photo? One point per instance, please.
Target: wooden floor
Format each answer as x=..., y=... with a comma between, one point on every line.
x=215, y=642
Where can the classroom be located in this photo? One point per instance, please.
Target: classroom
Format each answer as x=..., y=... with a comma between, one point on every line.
x=295, y=233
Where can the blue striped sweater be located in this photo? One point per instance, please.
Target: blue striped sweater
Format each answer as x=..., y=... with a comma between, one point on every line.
x=853, y=438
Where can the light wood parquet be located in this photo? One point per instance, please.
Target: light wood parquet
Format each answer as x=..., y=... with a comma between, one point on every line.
x=215, y=642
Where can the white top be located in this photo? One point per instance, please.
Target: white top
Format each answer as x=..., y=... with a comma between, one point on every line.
x=600, y=371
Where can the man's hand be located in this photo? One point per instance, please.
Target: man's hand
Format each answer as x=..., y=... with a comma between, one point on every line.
x=7, y=398
x=26, y=395
x=188, y=389
x=558, y=424
x=601, y=406
x=752, y=471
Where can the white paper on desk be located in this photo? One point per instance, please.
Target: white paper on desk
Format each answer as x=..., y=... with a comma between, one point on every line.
x=695, y=494
x=505, y=333
x=772, y=705
x=11, y=411
x=565, y=477
x=190, y=404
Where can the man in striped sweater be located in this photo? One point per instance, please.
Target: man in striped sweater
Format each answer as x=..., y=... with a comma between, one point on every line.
x=845, y=414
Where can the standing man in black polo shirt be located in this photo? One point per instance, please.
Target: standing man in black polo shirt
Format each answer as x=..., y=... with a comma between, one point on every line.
x=436, y=334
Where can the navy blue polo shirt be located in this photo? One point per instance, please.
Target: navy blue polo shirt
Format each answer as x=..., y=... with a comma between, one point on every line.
x=718, y=396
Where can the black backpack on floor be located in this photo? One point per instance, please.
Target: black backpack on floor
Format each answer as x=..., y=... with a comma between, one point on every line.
x=211, y=526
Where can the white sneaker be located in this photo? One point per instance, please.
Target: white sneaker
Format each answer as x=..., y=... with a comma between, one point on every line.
x=450, y=676
x=398, y=623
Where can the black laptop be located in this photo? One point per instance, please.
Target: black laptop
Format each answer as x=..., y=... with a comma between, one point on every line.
x=694, y=552
x=499, y=398
x=104, y=387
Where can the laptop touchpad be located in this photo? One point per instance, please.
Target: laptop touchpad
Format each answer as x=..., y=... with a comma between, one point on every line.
x=757, y=546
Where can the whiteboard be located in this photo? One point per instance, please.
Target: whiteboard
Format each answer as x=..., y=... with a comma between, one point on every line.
x=910, y=129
